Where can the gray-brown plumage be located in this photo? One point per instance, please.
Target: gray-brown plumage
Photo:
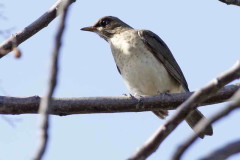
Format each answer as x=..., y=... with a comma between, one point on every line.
x=145, y=63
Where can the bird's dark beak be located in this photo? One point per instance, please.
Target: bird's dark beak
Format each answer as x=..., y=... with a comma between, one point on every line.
x=90, y=29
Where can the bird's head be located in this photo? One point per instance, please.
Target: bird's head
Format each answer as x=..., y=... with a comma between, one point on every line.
x=107, y=26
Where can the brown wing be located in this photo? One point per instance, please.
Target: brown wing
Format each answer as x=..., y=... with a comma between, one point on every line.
x=160, y=50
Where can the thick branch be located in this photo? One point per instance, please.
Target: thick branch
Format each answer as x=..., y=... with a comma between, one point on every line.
x=224, y=152
x=19, y=37
x=202, y=125
x=67, y=106
x=234, y=2
x=183, y=110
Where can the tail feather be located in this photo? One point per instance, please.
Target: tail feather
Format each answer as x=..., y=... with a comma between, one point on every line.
x=161, y=113
x=193, y=118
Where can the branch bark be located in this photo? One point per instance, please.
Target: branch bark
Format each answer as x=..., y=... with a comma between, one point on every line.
x=45, y=105
x=224, y=152
x=183, y=110
x=204, y=123
x=67, y=106
x=233, y=2
x=21, y=36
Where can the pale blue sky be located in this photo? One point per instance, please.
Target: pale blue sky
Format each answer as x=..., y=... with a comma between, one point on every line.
x=203, y=36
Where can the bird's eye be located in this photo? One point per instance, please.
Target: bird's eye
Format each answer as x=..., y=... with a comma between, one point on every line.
x=105, y=22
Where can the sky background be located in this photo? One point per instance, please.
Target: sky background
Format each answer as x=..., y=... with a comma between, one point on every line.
x=203, y=36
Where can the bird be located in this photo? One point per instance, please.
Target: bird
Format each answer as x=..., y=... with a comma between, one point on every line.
x=145, y=63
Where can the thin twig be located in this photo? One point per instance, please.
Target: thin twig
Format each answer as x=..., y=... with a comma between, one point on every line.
x=30, y=30
x=204, y=123
x=153, y=143
x=224, y=152
x=84, y=105
x=233, y=2
x=45, y=105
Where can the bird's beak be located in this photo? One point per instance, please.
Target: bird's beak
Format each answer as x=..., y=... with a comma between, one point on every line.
x=90, y=29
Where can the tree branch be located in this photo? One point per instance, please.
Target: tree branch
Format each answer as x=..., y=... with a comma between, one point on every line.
x=204, y=123
x=224, y=152
x=233, y=2
x=45, y=105
x=67, y=106
x=19, y=37
x=183, y=110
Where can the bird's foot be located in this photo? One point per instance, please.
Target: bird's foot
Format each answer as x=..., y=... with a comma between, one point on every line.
x=136, y=97
x=140, y=100
x=129, y=95
x=165, y=93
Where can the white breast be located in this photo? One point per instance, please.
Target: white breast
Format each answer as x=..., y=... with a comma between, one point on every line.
x=141, y=71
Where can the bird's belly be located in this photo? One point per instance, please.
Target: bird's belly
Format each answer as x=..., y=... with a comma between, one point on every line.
x=147, y=76
x=143, y=74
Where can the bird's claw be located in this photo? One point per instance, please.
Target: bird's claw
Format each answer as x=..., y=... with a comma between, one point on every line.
x=129, y=95
x=137, y=97
x=165, y=93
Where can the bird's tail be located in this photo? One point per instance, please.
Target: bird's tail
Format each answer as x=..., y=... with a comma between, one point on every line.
x=162, y=114
x=193, y=118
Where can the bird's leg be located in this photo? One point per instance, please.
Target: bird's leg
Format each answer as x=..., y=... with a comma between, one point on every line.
x=139, y=98
x=135, y=96
x=167, y=93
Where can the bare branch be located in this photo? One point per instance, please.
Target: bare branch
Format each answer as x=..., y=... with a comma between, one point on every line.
x=224, y=152
x=234, y=2
x=19, y=37
x=45, y=105
x=206, y=92
x=67, y=106
x=204, y=123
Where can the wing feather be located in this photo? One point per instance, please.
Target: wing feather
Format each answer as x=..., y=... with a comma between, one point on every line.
x=160, y=50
